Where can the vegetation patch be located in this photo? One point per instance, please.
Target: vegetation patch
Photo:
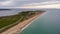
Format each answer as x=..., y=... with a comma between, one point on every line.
x=9, y=21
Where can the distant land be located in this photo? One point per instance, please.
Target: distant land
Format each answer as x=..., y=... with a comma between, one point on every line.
x=28, y=9
x=4, y=9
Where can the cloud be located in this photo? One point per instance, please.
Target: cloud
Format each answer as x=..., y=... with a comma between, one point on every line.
x=44, y=3
x=44, y=6
x=48, y=4
x=6, y=3
x=12, y=3
x=28, y=3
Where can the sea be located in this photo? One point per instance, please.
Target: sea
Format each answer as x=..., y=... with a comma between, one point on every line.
x=48, y=23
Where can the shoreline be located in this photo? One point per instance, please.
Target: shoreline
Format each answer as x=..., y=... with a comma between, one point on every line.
x=31, y=22
x=21, y=26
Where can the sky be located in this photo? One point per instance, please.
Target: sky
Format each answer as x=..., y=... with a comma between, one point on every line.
x=30, y=4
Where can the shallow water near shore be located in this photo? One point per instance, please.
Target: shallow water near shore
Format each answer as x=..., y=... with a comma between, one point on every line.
x=49, y=23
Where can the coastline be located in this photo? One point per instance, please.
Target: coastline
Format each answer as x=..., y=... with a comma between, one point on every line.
x=21, y=26
x=31, y=22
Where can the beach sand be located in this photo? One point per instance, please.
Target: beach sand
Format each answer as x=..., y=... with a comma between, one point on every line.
x=21, y=26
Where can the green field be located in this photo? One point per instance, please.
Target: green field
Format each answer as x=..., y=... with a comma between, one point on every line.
x=9, y=21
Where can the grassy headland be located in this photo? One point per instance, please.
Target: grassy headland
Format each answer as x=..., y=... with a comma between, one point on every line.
x=9, y=21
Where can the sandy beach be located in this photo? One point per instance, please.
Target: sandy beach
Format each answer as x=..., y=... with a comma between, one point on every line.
x=20, y=27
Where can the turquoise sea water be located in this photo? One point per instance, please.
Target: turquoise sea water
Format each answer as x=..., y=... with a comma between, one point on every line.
x=48, y=23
